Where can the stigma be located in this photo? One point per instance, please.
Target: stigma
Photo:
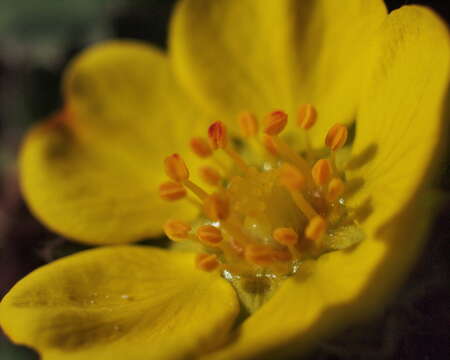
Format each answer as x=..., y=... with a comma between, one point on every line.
x=269, y=213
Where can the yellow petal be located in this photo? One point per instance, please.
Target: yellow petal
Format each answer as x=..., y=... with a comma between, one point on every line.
x=338, y=290
x=93, y=174
x=400, y=123
x=261, y=55
x=119, y=303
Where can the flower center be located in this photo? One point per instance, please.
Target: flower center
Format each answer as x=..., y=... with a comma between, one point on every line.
x=272, y=210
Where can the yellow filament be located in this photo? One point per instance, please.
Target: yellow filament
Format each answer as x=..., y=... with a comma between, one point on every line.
x=333, y=161
x=194, y=202
x=303, y=204
x=294, y=252
x=315, y=229
x=197, y=190
x=291, y=155
x=236, y=158
x=308, y=148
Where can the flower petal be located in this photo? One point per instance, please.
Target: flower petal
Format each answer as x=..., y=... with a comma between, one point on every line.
x=340, y=289
x=119, y=302
x=260, y=55
x=92, y=172
x=400, y=123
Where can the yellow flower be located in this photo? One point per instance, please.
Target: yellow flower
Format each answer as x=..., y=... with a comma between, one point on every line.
x=92, y=173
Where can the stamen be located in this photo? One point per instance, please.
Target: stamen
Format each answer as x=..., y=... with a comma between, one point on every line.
x=259, y=254
x=315, y=229
x=285, y=236
x=307, y=116
x=321, y=172
x=172, y=191
x=197, y=190
x=290, y=154
x=217, y=134
x=248, y=124
x=218, y=138
x=176, y=168
x=209, y=235
x=207, y=262
x=216, y=207
x=303, y=204
x=281, y=255
x=269, y=145
x=266, y=256
x=177, y=230
x=293, y=181
x=289, y=238
x=200, y=147
x=336, y=137
x=237, y=222
x=237, y=158
x=210, y=175
x=195, y=202
x=275, y=122
x=291, y=177
x=335, y=189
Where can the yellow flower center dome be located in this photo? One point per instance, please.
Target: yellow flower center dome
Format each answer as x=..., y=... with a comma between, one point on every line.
x=272, y=210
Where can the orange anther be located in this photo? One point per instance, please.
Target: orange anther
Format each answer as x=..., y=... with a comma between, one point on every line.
x=209, y=235
x=217, y=134
x=171, y=191
x=207, y=262
x=275, y=122
x=335, y=189
x=307, y=116
x=321, y=172
x=248, y=124
x=176, y=169
x=259, y=254
x=281, y=255
x=216, y=207
x=210, y=175
x=336, y=137
x=200, y=147
x=291, y=177
x=270, y=145
x=316, y=228
x=176, y=230
x=285, y=236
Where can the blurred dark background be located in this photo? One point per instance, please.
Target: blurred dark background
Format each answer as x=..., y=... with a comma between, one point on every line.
x=38, y=37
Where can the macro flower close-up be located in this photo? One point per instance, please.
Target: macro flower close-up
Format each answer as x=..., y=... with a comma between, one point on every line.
x=287, y=148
